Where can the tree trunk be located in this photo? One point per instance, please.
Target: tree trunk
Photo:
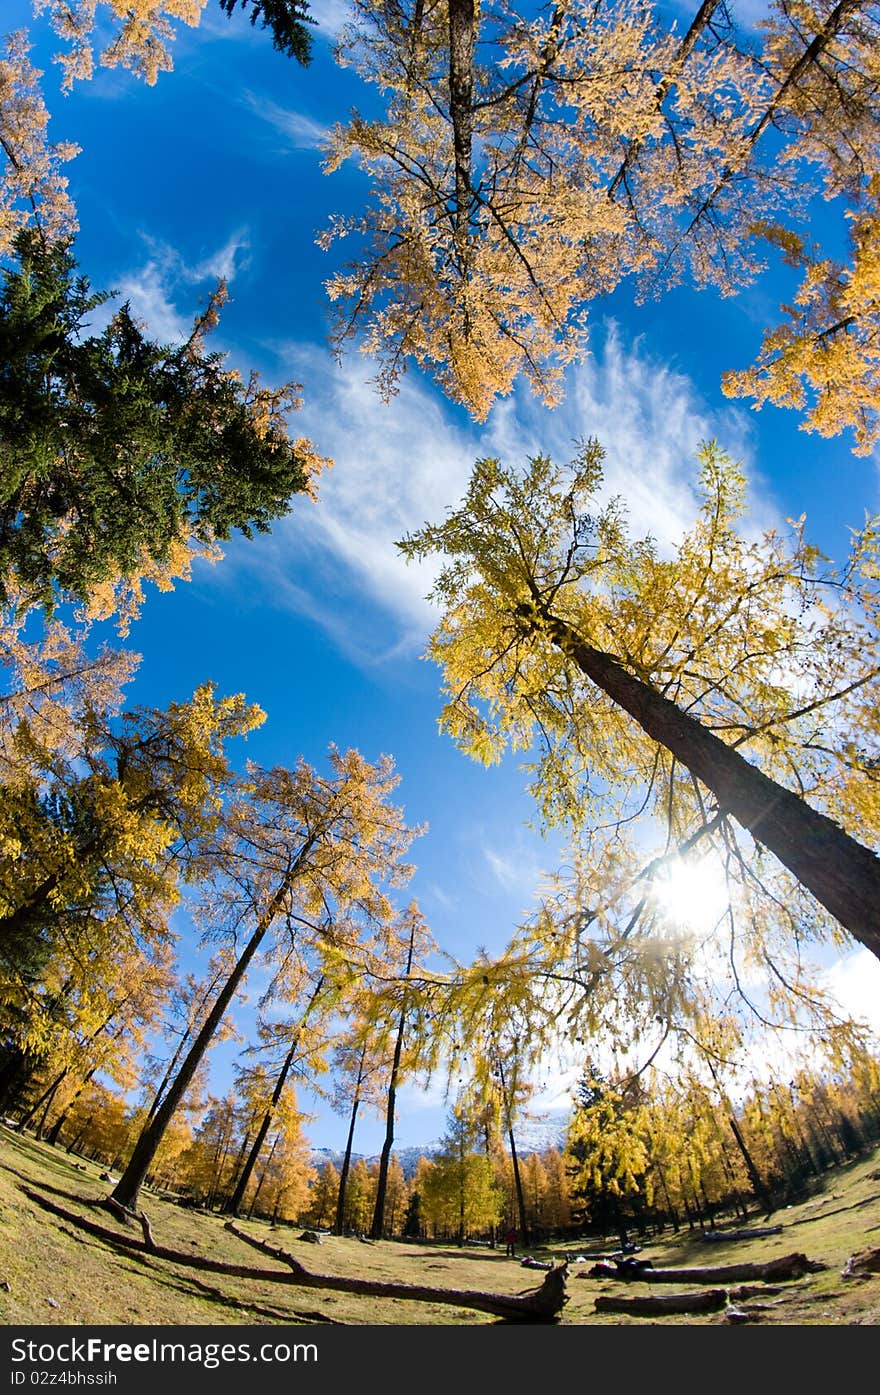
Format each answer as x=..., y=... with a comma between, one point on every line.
x=671, y=1211
x=197, y=1007
x=707, y=1301
x=378, y=1226
x=129, y=1185
x=544, y=1304
x=860, y=1265
x=841, y=873
x=793, y=1266
x=233, y=1206
x=72, y=1146
x=751, y=1233
x=44, y=1099
x=461, y=84
x=760, y=1190
x=339, y=1227
x=126, y=1192
x=517, y=1176
x=53, y=1135
x=263, y=1175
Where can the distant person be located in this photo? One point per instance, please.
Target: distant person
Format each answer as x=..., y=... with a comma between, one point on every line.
x=511, y=1243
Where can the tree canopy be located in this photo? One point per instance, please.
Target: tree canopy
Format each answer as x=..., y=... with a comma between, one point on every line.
x=527, y=161
x=730, y=681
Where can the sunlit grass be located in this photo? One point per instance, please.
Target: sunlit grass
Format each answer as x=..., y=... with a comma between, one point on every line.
x=43, y=1258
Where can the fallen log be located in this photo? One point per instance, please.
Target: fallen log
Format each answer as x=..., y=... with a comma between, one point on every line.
x=755, y=1233
x=792, y=1266
x=125, y=1214
x=544, y=1304
x=578, y=1257
x=707, y=1300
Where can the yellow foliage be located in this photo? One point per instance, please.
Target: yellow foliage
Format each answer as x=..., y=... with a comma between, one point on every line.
x=768, y=645
x=142, y=31
x=826, y=357
x=574, y=148
x=31, y=183
x=572, y=183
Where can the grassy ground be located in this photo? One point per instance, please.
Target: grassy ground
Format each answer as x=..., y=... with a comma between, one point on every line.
x=52, y=1273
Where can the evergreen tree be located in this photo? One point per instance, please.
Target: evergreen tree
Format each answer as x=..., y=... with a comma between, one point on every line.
x=286, y=20
x=118, y=452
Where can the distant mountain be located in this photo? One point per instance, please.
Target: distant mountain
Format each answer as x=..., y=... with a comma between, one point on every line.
x=407, y=1157
x=537, y=1135
x=532, y=1136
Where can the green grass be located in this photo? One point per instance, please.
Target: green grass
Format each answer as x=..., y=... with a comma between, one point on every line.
x=52, y=1273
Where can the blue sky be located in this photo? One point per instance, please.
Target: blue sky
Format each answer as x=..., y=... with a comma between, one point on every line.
x=217, y=171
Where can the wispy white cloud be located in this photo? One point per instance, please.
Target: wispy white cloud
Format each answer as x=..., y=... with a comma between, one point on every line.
x=146, y=289
x=419, y=1095
x=155, y=288
x=331, y=17
x=223, y=264
x=650, y=420
x=442, y=897
x=300, y=132
x=404, y=463
x=515, y=870
x=397, y=465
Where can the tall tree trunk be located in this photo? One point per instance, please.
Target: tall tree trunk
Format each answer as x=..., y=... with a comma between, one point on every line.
x=841, y=873
x=127, y=1189
x=755, y=1177
x=235, y=1201
x=78, y=1138
x=804, y=1145
x=55, y=1131
x=462, y=35
x=758, y=1186
x=263, y=1175
x=51, y=1089
x=461, y=1185
x=197, y=1007
x=339, y=1227
x=52, y=1135
x=670, y=1209
x=221, y=1153
x=240, y=1156
x=517, y=1176
x=378, y=1227
x=45, y=1098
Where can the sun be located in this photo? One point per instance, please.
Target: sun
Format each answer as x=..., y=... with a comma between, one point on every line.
x=692, y=894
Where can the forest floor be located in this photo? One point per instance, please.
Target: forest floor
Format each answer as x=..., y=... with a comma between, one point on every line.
x=53, y=1273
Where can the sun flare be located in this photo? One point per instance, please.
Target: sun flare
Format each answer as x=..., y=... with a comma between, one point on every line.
x=693, y=895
